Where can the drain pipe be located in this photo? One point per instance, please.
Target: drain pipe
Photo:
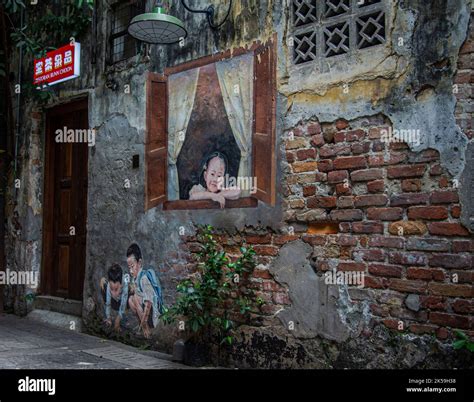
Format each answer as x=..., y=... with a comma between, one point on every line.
x=17, y=123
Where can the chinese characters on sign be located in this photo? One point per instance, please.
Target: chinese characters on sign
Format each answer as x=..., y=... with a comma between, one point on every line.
x=58, y=66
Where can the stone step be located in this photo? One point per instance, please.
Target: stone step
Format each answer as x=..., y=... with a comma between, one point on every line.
x=58, y=305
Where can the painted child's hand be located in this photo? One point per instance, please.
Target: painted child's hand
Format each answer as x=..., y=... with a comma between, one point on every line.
x=220, y=199
x=146, y=331
x=117, y=324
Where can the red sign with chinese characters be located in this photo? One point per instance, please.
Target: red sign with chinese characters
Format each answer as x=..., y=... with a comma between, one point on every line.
x=58, y=65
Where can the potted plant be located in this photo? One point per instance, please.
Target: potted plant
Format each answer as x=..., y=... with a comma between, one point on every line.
x=210, y=296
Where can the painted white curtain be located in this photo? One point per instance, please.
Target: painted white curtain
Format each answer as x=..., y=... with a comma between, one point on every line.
x=236, y=81
x=182, y=92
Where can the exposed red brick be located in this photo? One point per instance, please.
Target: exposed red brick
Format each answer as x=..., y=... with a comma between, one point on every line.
x=411, y=185
x=321, y=202
x=309, y=191
x=385, y=214
x=317, y=140
x=360, y=148
x=325, y=165
x=408, y=258
x=370, y=255
x=338, y=176
x=345, y=202
x=386, y=242
x=425, y=274
x=340, y=136
x=367, y=227
x=436, y=170
x=394, y=271
x=422, y=329
x=355, y=135
x=406, y=199
x=451, y=290
x=391, y=323
x=433, y=302
x=443, y=182
x=463, y=246
x=444, y=197
x=449, y=320
x=398, y=146
x=281, y=298
x=463, y=306
x=342, y=124
x=463, y=276
x=299, y=167
x=259, y=239
x=371, y=200
x=351, y=266
x=328, y=151
x=262, y=273
x=290, y=157
x=315, y=240
x=451, y=261
x=378, y=146
x=304, y=154
x=381, y=160
x=376, y=133
x=350, y=162
x=283, y=239
x=347, y=215
x=428, y=155
x=442, y=333
x=266, y=250
x=374, y=283
x=456, y=211
x=344, y=240
x=367, y=175
x=406, y=286
x=428, y=213
x=314, y=128
x=377, y=186
x=447, y=229
x=406, y=171
x=343, y=188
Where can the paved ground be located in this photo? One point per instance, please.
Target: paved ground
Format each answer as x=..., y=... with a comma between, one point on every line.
x=29, y=344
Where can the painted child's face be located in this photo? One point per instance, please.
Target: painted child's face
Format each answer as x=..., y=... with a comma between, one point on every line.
x=115, y=289
x=214, y=173
x=134, y=266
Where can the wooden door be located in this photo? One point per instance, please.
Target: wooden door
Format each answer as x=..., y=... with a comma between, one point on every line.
x=65, y=207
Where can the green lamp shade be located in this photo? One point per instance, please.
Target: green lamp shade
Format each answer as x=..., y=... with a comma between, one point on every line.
x=157, y=28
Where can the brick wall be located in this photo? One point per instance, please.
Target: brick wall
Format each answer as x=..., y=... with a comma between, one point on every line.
x=398, y=219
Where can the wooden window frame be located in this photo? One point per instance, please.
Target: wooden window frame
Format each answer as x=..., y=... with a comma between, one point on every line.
x=267, y=195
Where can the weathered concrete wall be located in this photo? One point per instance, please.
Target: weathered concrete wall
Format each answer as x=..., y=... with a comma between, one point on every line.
x=407, y=84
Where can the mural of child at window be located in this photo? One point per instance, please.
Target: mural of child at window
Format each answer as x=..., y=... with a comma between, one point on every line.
x=114, y=291
x=146, y=299
x=211, y=181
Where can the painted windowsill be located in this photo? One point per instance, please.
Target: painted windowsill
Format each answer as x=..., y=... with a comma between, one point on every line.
x=184, y=205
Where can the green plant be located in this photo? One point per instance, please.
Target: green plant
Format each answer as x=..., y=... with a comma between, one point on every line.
x=208, y=298
x=463, y=342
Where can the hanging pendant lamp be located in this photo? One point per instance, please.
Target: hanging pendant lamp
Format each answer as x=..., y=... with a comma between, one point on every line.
x=160, y=28
x=157, y=27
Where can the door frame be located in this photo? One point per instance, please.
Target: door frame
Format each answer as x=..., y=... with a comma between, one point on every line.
x=47, y=260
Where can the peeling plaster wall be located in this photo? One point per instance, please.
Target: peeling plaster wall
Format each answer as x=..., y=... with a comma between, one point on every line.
x=408, y=81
